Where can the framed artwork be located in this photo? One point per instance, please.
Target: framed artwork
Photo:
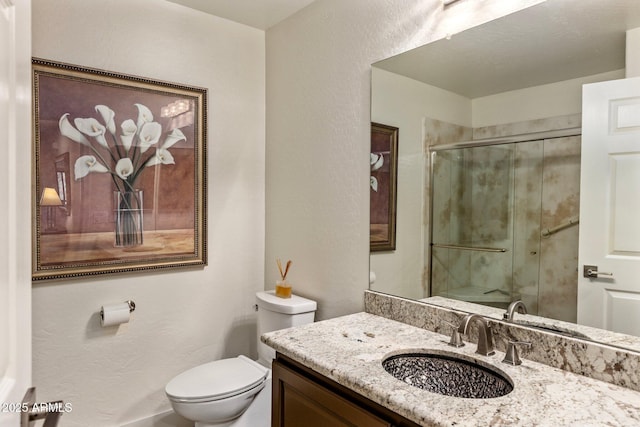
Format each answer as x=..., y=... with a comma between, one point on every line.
x=383, y=185
x=119, y=173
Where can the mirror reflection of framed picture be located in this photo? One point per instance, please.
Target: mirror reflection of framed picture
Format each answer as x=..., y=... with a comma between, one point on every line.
x=383, y=185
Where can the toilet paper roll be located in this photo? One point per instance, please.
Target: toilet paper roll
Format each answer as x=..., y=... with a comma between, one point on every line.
x=116, y=314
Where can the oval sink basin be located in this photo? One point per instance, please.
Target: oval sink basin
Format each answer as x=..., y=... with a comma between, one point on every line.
x=448, y=374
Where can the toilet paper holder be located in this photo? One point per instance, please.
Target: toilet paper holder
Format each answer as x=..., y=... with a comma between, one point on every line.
x=132, y=307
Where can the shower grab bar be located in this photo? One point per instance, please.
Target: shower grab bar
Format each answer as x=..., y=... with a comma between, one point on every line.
x=468, y=248
x=571, y=221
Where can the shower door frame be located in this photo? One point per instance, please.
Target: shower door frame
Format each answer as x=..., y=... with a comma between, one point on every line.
x=512, y=139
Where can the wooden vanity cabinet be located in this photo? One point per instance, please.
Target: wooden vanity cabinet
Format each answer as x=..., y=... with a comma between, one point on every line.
x=304, y=398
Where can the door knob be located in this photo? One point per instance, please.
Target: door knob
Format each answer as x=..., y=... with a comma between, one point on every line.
x=50, y=412
x=591, y=272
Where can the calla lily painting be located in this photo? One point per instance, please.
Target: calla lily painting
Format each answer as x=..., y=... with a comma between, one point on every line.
x=127, y=157
x=132, y=193
x=384, y=174
x=122, y=148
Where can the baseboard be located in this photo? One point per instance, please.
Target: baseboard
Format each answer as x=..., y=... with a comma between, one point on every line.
x=165, y=419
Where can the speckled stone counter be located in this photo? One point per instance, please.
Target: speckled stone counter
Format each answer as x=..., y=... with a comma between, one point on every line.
x=350, y=349
x=623, y=341
x=596, y=360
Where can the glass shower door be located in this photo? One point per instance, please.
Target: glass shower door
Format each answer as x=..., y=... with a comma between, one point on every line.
x=481, y=197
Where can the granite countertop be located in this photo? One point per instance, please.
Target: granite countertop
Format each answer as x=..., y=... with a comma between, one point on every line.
x=602, y=336
x=349, y=350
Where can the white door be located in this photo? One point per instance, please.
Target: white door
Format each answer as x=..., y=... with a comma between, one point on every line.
x=15, y=183
x=610, y=207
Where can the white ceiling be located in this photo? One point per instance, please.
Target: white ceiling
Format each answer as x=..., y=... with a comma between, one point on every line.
x=549, y=42
x=552, y=41
x=261, y=14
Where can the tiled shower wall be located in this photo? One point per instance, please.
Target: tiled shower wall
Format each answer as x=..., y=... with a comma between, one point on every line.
x=546, y=177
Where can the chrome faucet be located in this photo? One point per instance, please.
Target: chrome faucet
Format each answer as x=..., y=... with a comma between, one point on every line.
x=515, y=305
x=485, y=336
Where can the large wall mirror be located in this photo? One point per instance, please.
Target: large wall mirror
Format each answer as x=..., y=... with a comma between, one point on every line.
x=488, y=187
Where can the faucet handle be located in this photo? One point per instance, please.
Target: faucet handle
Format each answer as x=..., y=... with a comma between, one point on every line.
x=511, y=355
x=456, y=338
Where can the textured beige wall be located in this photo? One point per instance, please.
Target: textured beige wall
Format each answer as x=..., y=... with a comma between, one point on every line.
x=318, y=113
x=183, y=318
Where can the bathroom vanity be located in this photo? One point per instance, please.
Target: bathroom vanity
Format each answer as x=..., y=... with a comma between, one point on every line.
x=303, y=397
x=334, y=368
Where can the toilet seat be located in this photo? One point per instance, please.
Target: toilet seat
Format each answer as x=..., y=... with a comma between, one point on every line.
x=217, y=380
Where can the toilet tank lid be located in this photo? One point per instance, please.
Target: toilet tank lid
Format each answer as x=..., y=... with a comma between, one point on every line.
x=294, y=305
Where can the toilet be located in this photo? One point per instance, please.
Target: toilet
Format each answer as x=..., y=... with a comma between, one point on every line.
x=237, y=391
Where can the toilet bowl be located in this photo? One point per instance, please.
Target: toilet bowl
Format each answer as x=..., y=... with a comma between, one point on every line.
x=237, y=391
x=217, y=391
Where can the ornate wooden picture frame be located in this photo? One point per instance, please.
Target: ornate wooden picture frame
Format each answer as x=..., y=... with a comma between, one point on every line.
x=119, y=175
x=383, y=186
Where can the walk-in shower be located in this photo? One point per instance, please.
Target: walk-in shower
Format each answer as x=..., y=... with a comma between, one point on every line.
x=501, y=214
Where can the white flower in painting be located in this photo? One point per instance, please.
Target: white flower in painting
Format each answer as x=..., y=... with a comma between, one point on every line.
x=66, y=129
x=124, y=159
x=144, y=115
x=129, y=130
x=149, y=135
x=92, y=127
x=108, y=116
x=175, y=136
x=124, y=168
x=376, y=160
x=162, y=156
x=373, y=181
x=87, y=164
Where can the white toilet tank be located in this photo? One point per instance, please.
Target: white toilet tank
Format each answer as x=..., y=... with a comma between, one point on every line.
x=276, y=313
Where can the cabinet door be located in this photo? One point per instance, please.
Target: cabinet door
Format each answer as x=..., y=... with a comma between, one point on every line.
x=300, y=401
